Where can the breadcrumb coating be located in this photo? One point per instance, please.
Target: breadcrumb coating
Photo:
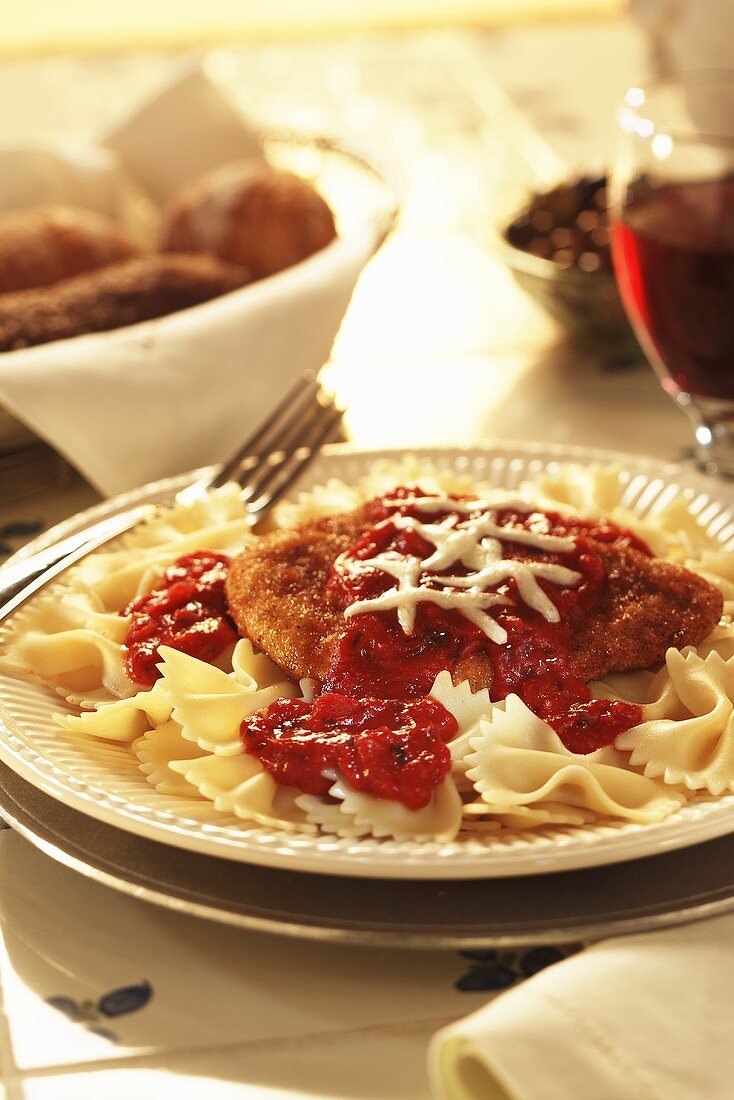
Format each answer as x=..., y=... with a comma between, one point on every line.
x=277, y=596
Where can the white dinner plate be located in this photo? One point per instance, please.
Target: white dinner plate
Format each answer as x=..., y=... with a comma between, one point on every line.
x=107, y=785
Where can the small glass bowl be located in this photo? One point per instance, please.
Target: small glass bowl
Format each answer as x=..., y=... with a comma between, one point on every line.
x=586, y=303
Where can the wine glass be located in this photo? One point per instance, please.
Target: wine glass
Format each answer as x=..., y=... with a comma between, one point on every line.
x=672, y=213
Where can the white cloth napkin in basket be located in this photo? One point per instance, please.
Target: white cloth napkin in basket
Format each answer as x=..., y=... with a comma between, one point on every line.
x=140, y=403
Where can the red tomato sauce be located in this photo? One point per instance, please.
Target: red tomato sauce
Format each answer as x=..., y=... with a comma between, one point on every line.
x=384, y=747
x=187, y=610
x=372, y=720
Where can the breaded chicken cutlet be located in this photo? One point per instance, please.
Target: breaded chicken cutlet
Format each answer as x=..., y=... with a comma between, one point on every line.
x=277, y=596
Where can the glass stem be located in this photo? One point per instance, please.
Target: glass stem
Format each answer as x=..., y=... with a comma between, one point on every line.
x=713, y=426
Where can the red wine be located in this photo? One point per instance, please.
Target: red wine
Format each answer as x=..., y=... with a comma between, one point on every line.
x=674, y=259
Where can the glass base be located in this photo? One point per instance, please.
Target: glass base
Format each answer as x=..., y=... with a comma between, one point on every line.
x=713, y=429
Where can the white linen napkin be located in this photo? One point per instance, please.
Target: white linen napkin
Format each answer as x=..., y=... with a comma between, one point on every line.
x=645, y=1017
x=140, y=403
x=158, y=398
x=179, y=134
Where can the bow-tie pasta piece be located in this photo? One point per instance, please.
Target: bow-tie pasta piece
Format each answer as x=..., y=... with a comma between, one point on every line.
x=439, y=821
x=67, y=640
x=720, y=640
x=210, y=705
x=229, y=537
x=324, y=500
x=676, y=518
x=213, y=509
x=156, y=749
x=154, y=752
x=633, y=687
x=518, y=760
x=72, y=637
x=118, y=577
x=337, y=496
x=217, y=521
x=587, y=490
x=239, y=785
x=414, y=470
x=467, y=708
x=476, y=816
x=480, y=816
x=598, y=491
x=349, y=813
x=124, y=720
x=86, y=610
x=256, y=670
x=670, y=530
x=717, y=567
x=329, y=815
x=687, y=735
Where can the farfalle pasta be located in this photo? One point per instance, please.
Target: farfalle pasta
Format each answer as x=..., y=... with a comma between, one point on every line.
x=671, y=530
x=156, y=748
x=717, y=566
x=239, y=785
x=517, y=760
x=687, y=733
x=504, y=768
x=123, y=720
x=70, y=641
x=337, y=496
x=210, y=705
x=206, y=707
x=439, y=821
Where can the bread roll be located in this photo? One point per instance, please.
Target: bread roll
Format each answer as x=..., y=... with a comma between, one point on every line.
x=251, y=215
x=45, y=244
x=123, y=293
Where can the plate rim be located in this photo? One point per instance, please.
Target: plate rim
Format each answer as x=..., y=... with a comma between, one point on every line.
x=94, y=863
x=718, y=817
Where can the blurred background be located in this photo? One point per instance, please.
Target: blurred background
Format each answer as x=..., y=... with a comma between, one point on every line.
x=472, y=109
x=82, y=24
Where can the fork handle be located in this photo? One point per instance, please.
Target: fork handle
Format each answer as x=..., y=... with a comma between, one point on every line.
x=60, y=556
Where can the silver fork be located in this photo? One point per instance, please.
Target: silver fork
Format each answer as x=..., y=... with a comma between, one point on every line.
x=266, y=466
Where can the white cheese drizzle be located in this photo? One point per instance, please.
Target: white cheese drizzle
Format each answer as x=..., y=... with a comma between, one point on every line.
x=475, y=543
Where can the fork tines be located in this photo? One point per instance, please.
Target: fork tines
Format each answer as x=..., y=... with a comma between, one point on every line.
x=269, y=462
x=265, y=467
